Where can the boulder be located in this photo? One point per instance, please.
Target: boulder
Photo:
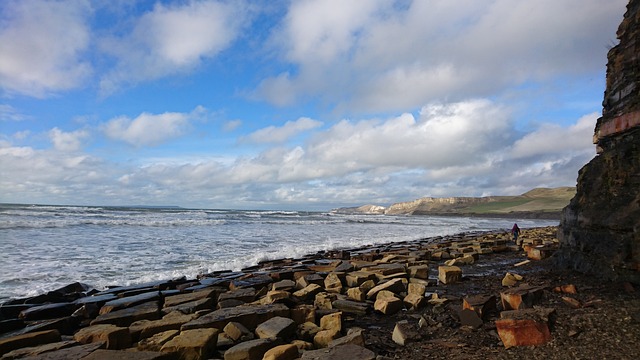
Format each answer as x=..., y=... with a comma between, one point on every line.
x=244, y=295
x=324, y=337
x=357, y=278
x=37, y=350
x=190, y=307
x=155, y=342
x=235, y=330
x=193, y=344
x=282, y=352
x=394, y=285
x=324, y=300
x=331, y=321
x=449, y=274
x=524, y=327
x=283, y=285
x=356, y=294
x=332, y=283
x=388, y=306
x=341, y=352
x=249, y=316
x=276, y=327
x=48, y=311
x=481, y=304
x=307, y=331
x=418, y=289
x=145, y=328
x=101, y=354
x=29, y=339
x=174, y=300
x=113, y=336
x=351, y=307
x=521, y=297
x=308, y=292
x=303, y=313
x=124, y=317
x=354, y=336
x=129, y=301
x=414, y=301
x=404, y=332
x=419, y=271
x=250, y=350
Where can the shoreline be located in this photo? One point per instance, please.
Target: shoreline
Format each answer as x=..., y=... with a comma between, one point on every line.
x=310, y=292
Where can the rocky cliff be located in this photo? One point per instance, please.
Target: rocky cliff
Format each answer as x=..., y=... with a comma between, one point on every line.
x=600, y=228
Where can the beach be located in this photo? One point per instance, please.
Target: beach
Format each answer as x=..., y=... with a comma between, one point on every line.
x=385, y=301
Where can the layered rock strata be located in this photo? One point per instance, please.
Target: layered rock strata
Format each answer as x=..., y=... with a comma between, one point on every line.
x=600, y=228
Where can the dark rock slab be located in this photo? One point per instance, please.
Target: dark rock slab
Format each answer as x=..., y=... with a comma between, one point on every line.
x=249, y=316
x=254, y=281
x=124, y=317
x=25, y=340
x=48, y=311
x=72, y=353
x=340, y=352
x=129, y=302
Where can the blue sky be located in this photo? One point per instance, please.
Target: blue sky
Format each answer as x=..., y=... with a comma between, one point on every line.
x=310, y=104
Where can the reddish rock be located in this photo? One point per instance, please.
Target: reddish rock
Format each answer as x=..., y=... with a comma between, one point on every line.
x=521, y=297
x=524, y=327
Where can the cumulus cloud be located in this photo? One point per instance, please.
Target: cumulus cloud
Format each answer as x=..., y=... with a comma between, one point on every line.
x=378, y=56
x=274, y=134
x=467, y=148
x=150, y=129
x=172, y=39
x=42, y=45
x=67, y=141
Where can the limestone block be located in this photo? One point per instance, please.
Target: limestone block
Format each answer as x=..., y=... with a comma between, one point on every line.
x=307, y=292
x=113, y=336
x=307, y=331
x=102, y=354
x=249, y=350
x=481, y=304
x=386, y=269
x=190, y=307
x=419, y=271
x=284, y=285
x=341, y=352
x=367, y=285
x=331, y=321
x=356, y=294
x=388, y=306
x=324, y=337
x=354, y=336
x=28, y=339
x=384, y=294
x=303, y=313
x=524, y=327
x=282, y=352
x=521, y=297
x=244, y=295
x=449, y=274
x=155, y=342
x=61, y=350
x=403, y=333
x=249, y=316
x=145, y=328
x=174, y=300
x=357, y=278
x=418, y=289
x=352, y=307
x=125, y=317
x=235, y=330
x=332, y=283
x=276, y=327
x=274, y=296
x=302, y=345
x=414, y=301
x=395, y=286
x=323, y=300
x=193, y=344
x=129, y=301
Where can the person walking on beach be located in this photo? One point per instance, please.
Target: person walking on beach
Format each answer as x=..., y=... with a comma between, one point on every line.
x=515, y=231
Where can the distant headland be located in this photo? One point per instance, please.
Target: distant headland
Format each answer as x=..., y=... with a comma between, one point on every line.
x=539, y=203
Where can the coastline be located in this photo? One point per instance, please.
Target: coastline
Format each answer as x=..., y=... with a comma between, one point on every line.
x=327, y=283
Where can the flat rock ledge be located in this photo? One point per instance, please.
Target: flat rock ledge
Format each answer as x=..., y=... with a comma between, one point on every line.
x=365, y=303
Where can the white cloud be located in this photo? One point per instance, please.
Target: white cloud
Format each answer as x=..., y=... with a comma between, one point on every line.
x=232, y=125
x=42, y=45
x=172, y=39
x=552, y=139
x=150, y=129
x=67, y=141
x=273, y=134
x=373, y=56
x=9, y=113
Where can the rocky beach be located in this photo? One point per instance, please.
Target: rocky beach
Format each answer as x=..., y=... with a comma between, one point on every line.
x=472, y=295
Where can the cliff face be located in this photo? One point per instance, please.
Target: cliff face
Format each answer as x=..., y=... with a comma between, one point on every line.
x=600, y=228
x=428, y=205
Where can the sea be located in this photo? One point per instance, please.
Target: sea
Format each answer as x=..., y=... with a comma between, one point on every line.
x=46, y=247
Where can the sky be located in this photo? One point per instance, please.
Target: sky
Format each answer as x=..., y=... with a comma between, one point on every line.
x=301, y=105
